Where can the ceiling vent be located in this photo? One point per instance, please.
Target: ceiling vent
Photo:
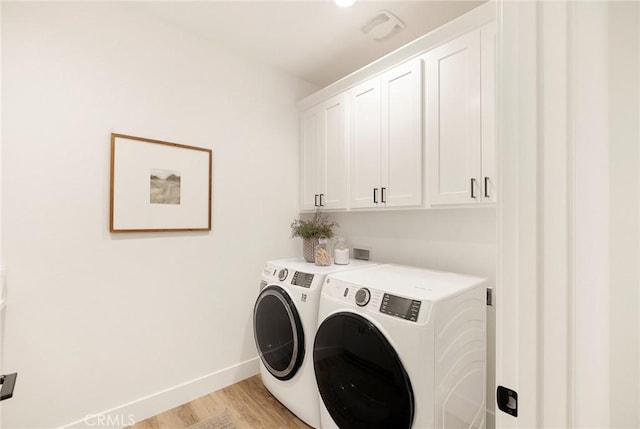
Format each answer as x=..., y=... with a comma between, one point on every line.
x=382, y=26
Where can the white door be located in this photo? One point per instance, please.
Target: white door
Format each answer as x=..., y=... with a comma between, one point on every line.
x=365, y=144
x=333, y=161
x=453, y=120
x=324, y=156
x=402, y=135
x=309, y=126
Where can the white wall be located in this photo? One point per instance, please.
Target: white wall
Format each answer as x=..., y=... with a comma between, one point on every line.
x=97, y=320
x=624, y=138
x=460, y=240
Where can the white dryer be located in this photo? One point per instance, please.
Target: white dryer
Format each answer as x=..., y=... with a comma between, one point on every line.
x=285, y=317
x=401, y=347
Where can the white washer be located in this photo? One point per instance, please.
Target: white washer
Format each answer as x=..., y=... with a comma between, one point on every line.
x=401, y=347
x=285, y=318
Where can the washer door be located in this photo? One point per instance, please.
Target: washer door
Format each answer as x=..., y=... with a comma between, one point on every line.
x=360, y=377
x=278, y=332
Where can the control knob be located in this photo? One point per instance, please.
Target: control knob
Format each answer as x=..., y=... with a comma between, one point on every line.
x=282, y=274
x=363, y=296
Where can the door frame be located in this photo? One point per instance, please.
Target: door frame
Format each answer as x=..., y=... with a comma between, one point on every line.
x=552, y=215
x=516, y=217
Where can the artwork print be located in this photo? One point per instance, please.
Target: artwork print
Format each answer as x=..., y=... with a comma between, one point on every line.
x=164, y=187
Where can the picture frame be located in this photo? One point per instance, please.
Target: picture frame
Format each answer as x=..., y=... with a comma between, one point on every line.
x=159, y=186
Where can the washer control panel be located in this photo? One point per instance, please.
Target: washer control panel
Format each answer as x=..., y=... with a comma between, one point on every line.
x=302, y=279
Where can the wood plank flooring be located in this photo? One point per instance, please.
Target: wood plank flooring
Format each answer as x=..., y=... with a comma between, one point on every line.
x=249, y=403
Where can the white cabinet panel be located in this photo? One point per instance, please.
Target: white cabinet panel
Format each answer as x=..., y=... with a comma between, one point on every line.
x=460, y=119
x=453, y=120
x=334, y=162
x=365, y=143
x=386, y=139
x=324, y=157
x=309, y=159
x=402, y=135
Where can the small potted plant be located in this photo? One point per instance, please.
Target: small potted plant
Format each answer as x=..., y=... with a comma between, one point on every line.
x=319, y=226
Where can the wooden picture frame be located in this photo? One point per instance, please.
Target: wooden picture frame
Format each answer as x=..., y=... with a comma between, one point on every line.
x=159, y=186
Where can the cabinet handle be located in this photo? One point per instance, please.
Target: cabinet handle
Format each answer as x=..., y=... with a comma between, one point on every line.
x=321, y=195
x=486, y=187
x=382, y=194
x=315, y=200
x=473, y=184
x=375, y=195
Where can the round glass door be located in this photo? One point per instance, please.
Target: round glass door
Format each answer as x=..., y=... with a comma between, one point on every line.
x=278, y=332
x=360, y=377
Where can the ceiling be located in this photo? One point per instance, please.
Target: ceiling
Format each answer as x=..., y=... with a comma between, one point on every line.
x=314, y=40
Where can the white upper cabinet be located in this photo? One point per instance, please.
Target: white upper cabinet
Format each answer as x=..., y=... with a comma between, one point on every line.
x=375, y=146
x=365, y=141
x=386, y=140
x=309, y=126
x=460, y=119
x=324, y=157
x=402, y=135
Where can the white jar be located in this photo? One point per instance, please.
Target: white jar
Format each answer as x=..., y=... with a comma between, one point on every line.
x=341, y=253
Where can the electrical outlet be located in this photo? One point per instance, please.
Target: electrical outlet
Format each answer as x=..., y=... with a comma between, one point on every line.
x=361, y=253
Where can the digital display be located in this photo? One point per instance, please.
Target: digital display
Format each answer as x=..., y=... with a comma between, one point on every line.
x=397, y=305
x=302, y=279
x=404, y=308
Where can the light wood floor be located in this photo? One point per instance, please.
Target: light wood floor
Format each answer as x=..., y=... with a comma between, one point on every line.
x=249, y=403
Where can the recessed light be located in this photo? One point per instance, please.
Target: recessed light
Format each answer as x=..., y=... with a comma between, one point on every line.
x=345, y=3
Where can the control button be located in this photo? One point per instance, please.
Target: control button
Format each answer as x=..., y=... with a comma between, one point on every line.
x=363, y=296
x=346, y=292
x=283, y=274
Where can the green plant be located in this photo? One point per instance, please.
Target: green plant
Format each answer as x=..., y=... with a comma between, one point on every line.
x=318, y=226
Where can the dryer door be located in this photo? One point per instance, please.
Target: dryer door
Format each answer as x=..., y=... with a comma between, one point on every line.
x=360, y=377
x=278, y=332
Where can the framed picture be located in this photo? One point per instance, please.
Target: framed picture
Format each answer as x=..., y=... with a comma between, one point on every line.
x=159, y=186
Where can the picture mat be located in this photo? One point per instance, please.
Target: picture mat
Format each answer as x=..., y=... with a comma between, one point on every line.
x=132, y=210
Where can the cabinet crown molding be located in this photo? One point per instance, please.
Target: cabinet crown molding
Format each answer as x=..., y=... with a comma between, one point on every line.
x=471, y=20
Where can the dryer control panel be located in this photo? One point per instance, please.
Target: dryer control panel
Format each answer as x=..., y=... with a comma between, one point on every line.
x=377, y=301
x=405, y=308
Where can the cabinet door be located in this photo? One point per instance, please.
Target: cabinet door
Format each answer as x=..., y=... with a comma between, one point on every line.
x=365, y=144
x=324, y=163
x=453, y=121
x=488, y=94
x=402, y=135
x=332, y=177
x=309, y=135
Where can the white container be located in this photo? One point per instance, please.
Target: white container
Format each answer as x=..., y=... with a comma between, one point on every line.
x=341, y=253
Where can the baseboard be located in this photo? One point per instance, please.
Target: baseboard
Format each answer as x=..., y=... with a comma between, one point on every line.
x=140, y=409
